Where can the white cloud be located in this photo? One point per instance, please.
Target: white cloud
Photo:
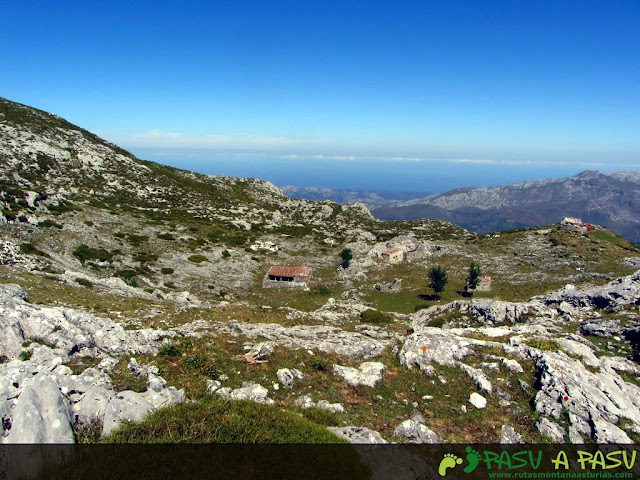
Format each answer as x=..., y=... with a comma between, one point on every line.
x=482, y=161
x=404, y=159
x=160, y=139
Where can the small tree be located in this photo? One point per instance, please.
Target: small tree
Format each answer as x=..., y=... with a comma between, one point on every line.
x=438, y=278
x=474, y=277
x=346, y=256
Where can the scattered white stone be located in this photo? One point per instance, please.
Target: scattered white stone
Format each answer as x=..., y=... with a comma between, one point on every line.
x=287, y=377
x=512, y=365
x=369, y=373
x=254, y=392
x=107, y=364
x=509, y=435
x=304, y=401
x=212, y=385
x=156, y=383
x=477, y=400
x=358, y=435
x=416, y=432
x=332, y=407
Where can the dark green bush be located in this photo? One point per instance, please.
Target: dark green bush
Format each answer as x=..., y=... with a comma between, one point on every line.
x=170, y=351
x=136, y=240
x=319, y=366
x=197, y=258
x=144, y=257
x=129, y=276
x=437, y=322
x=30, y=249
x=374, y=316
x=84, y=282
x=166, y=236
x=84, y=252
x=49, y=223
x=166, y=270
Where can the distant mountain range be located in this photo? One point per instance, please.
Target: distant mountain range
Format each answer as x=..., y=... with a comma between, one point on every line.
x=371, y=198
x=611, y=200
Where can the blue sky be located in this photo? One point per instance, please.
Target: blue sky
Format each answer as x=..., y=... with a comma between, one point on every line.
x=208, y=85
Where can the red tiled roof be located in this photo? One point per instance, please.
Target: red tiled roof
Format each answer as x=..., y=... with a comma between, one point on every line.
x=391, y=251
x=289, y=271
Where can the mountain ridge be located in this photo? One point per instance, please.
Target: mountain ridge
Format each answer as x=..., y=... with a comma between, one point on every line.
x=611, y=200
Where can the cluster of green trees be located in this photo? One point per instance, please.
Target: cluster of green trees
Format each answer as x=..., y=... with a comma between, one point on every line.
x=438, y=278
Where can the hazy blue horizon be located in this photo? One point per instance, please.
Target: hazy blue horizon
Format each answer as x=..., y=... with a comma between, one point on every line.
x=368, y=173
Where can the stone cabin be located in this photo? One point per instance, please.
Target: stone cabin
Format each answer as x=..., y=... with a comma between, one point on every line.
x=575, y=224
x=572, y=223
x=287, y=277
x=393, y=255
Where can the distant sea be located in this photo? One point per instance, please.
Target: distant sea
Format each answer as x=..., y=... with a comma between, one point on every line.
x=360, y=174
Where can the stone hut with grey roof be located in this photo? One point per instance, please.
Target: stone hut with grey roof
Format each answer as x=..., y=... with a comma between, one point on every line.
x=287, y=277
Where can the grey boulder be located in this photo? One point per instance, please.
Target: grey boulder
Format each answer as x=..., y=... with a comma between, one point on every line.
x=41, y=414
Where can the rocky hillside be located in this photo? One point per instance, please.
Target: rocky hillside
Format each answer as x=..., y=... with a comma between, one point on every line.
x=47, y=162
x=611, y=200
x=127, y=288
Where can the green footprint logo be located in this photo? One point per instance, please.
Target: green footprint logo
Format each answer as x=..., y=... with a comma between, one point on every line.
x=449, y=461
x=473, y=457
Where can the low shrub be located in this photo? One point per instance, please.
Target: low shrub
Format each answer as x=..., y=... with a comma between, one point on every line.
x=84, y=252
x=166, y=270
x=197, y=258
x=49, y=223
x=170, y=351
x=374, y=316
x=136, y=240
x=84, y=282
x=144, y=257
x=126, y=274
x=437, y=322
x=543, y=344
x=319, y=366
x=30, y=249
